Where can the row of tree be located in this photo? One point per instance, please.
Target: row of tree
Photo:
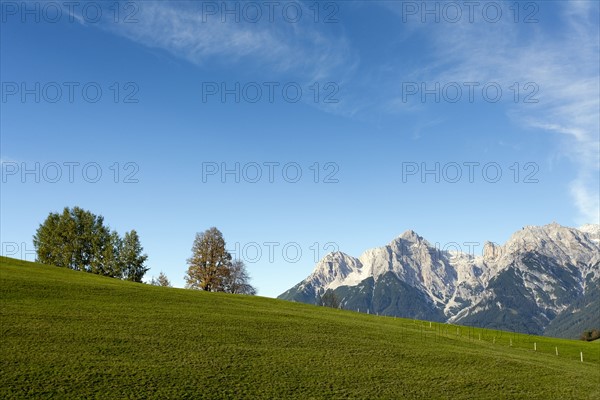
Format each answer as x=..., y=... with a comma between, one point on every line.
x=79, y=240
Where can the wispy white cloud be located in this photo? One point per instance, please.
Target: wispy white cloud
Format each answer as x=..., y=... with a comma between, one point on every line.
x=272, y=49
x=563, y=63
x=303, y=50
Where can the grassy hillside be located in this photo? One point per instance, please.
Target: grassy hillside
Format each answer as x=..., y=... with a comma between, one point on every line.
x=68, y=334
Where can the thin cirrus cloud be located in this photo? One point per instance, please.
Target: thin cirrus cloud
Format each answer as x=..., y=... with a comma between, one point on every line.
x=302, y=50
x=562, y=63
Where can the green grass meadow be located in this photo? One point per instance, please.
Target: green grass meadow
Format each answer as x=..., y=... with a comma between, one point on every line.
x=73, y=335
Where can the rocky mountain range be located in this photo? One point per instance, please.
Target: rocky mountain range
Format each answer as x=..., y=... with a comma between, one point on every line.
x=543, y=280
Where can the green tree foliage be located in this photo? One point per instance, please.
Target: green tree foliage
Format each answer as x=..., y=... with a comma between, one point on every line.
x=162, y=280
x=79, y=240
x=209, y=263
x=210, y=268
x=131, y=257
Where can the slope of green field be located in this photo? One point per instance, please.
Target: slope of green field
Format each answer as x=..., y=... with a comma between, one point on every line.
x=67, y=334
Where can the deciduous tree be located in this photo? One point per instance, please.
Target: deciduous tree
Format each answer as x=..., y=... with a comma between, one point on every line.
x=75, y=239
x=132, y=259
x=209, y=264
x=237, y=279
x=79, y=240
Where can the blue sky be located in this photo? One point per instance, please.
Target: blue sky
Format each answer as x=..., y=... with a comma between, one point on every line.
x=387, y=76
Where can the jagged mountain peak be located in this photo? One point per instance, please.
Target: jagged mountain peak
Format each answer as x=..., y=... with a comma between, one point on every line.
x=593, y=230
x=547, y=233
x=553, y=240
x=406, y=244
x=337, y=263
x=334, y=269
x=336, y=256
x=410, y=235
x=537, y=273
